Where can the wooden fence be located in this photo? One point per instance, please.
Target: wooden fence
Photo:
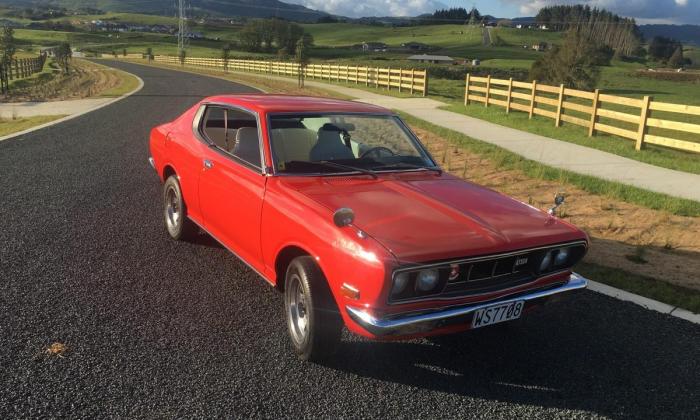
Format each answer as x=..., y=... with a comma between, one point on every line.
x=621, y=116
x=19, y=69
x=402, y=80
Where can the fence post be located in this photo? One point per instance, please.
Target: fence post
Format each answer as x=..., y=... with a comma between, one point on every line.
x=641, y=132
x=488, y=90
x=376, y=78
x=413, y=79
x=510, y=95
x=532, y=98
x=425, y=83
x=400, y=78
x=594, y=113
x=557, y=121
x=466, y=91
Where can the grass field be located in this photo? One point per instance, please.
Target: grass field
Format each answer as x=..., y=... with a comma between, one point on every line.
x=9, y=125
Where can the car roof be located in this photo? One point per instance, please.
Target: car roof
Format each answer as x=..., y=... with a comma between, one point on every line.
x=273, y=103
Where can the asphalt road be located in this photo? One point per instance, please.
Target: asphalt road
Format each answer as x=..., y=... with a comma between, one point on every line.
x=156, y=328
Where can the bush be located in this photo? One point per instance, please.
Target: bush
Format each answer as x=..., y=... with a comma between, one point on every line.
x=572, y=64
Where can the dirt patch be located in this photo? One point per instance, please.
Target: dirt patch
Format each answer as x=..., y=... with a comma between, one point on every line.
x=619, y=231
x=85, y=80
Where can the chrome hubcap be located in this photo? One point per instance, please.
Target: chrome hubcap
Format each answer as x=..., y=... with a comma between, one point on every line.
x=172, y=208
x=297, y=309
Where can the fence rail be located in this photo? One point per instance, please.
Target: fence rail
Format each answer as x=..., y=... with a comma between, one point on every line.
x=19, y=69
x=629, y=118
x=402, y=80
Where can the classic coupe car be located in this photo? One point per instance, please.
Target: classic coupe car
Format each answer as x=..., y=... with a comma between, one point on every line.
x=339, y=206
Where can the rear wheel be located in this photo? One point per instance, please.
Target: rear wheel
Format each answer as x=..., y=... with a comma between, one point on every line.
x=313, y=321
x=175, y=213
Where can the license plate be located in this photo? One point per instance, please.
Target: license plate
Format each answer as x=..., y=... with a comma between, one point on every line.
x=497, y=313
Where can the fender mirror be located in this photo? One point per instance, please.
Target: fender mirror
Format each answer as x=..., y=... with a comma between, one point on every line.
x=343, y=217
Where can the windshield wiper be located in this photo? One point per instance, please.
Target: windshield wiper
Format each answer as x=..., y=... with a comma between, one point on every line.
x=343, y=166
x=399, y=165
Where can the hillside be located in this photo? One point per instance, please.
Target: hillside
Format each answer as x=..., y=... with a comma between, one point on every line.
x=687, y=34
x=248, y=8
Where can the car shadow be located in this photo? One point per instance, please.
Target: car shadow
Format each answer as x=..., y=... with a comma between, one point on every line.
x=551, y=359
x=202, y=238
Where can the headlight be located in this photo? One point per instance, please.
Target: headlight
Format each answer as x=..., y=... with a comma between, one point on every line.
x=562, y=257
x=546, y=262
x=426, y=280
x=400, y=282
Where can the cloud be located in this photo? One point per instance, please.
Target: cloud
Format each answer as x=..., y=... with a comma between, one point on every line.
x=360, y=8
x=675, y=11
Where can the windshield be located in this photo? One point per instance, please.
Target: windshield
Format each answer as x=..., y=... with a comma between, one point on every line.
x=339, y=143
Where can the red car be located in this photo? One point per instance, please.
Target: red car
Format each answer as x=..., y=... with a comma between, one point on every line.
x=339, y=206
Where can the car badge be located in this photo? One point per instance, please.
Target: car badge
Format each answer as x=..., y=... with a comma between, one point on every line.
x=521, y=261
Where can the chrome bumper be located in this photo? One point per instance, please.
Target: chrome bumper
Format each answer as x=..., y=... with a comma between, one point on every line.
x=411, y=324
x=152, y=162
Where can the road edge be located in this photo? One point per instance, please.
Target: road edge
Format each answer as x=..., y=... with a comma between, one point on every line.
x=646, y=303
x=76, y=115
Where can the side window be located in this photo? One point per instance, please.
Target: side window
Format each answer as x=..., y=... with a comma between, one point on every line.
x=215, y=127
x=246, y=144
x=234, y=131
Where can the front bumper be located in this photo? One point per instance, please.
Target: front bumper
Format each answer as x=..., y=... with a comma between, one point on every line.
x=424, y=322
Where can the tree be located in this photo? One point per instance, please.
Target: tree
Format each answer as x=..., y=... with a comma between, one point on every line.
x=250, y=36
x=474, y=17
x=573, y=64
x=302, y=59
x=62, y=56
x=226, y=55
x=676, y=59
x=662, y=48
x=602, y=26
x=182, y=55
x=8, y=45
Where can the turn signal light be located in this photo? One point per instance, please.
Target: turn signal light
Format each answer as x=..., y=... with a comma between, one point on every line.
x=349, y=291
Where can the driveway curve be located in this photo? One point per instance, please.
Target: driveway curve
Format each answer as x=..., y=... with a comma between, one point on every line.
x=155, y=328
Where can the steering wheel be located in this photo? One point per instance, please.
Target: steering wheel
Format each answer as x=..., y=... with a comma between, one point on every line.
x=377, y=151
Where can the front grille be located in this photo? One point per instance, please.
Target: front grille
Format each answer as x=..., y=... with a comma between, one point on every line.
x=486, y=274
x=490, y=275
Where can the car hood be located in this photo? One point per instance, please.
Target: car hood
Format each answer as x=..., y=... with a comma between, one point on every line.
x=422, y=217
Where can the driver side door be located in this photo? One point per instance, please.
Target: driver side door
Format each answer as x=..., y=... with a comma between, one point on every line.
x=232, y=181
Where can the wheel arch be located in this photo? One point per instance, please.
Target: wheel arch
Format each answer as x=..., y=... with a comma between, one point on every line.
x=282, y=260
x=168, y=170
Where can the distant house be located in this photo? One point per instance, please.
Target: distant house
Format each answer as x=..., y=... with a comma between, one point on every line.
x=544, y=27
x=476, y=62
x=434, y=59
x=415, y=46
x=540, y=46
x=48, y=51
x=373, y=46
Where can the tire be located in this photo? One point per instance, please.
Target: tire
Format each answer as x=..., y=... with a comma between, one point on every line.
x=313, y=321
x=177, y=224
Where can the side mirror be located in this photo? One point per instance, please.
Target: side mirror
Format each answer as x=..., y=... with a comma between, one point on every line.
x=558, y=201
x=343, y=217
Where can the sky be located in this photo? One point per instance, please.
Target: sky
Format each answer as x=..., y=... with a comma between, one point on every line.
x=645, y=11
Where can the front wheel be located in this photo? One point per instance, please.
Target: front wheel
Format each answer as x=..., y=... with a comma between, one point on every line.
x=313, y=321
x=174, y=211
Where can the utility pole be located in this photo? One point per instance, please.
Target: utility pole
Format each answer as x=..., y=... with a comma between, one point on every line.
x=182, y=31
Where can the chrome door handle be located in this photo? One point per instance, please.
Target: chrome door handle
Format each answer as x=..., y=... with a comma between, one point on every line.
x=208, y=164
